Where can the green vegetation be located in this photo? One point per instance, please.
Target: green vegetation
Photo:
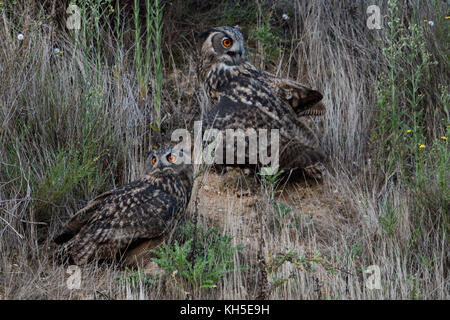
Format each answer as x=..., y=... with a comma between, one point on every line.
x=411, y=153
x=201, y=262
x=268, y=43
x=281, y=211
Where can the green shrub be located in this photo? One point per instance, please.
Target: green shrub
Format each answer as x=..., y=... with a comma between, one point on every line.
x=406, y=150
x=268, y=41
x=201, y=262
x=281, y=211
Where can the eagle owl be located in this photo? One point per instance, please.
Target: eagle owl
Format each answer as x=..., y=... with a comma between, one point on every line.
x=243, y=97
x=138, y=214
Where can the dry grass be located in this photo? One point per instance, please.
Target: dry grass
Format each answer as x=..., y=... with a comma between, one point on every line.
x=71, y=128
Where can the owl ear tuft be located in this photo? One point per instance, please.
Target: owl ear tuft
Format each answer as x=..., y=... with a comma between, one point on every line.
x=205, y=34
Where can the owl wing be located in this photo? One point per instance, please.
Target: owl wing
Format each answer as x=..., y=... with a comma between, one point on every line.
x=228, y=114
x=304, y=100
x=138, y=217
x=297, y=155
x=82, y=216
x=294, y=153
x=122, y=217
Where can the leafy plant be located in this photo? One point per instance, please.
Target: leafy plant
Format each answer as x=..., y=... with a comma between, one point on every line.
x=400, y=101
x=281, y=211
x=268, y=42
x=199, y=265
x=389, y=219
x=270, y=177
x=407, y=150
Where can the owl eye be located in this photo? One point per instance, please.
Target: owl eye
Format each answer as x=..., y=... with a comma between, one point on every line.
x=153, y=160
x=171, y=158
x=227, y=42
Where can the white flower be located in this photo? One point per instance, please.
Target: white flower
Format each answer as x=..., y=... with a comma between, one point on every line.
x=285, y=16
x=20, y=37
x=431, y=23
x=56, y=51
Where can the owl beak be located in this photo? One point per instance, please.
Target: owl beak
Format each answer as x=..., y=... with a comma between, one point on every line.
x=235, y=56
x=160, y=167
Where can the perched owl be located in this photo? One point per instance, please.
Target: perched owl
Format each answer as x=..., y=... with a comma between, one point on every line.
x=138, y=214
x=243, y=97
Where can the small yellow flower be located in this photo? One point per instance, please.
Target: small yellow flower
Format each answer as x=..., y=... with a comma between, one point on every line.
x=1, y=3
x=425, y=20
x=444, y=138
x=408, y=131
x=447, y=17
x=422, y=146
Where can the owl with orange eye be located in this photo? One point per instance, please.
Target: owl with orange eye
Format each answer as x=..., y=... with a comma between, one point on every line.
x=244, y=97
x=125, y=223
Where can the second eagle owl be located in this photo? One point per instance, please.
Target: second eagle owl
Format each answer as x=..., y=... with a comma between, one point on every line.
x=138, y=214
x=243, y=97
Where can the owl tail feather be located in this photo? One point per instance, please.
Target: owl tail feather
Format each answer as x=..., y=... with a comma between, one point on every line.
x=315, y=171
x=81, y=252
x=306, y=158
x=311, y=162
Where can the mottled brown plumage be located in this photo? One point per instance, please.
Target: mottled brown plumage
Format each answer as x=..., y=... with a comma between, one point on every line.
x=243, y=97
x=141, y=212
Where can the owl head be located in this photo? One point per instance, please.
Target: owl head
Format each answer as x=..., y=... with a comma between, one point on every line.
x=223, y=45
x=169, y=160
